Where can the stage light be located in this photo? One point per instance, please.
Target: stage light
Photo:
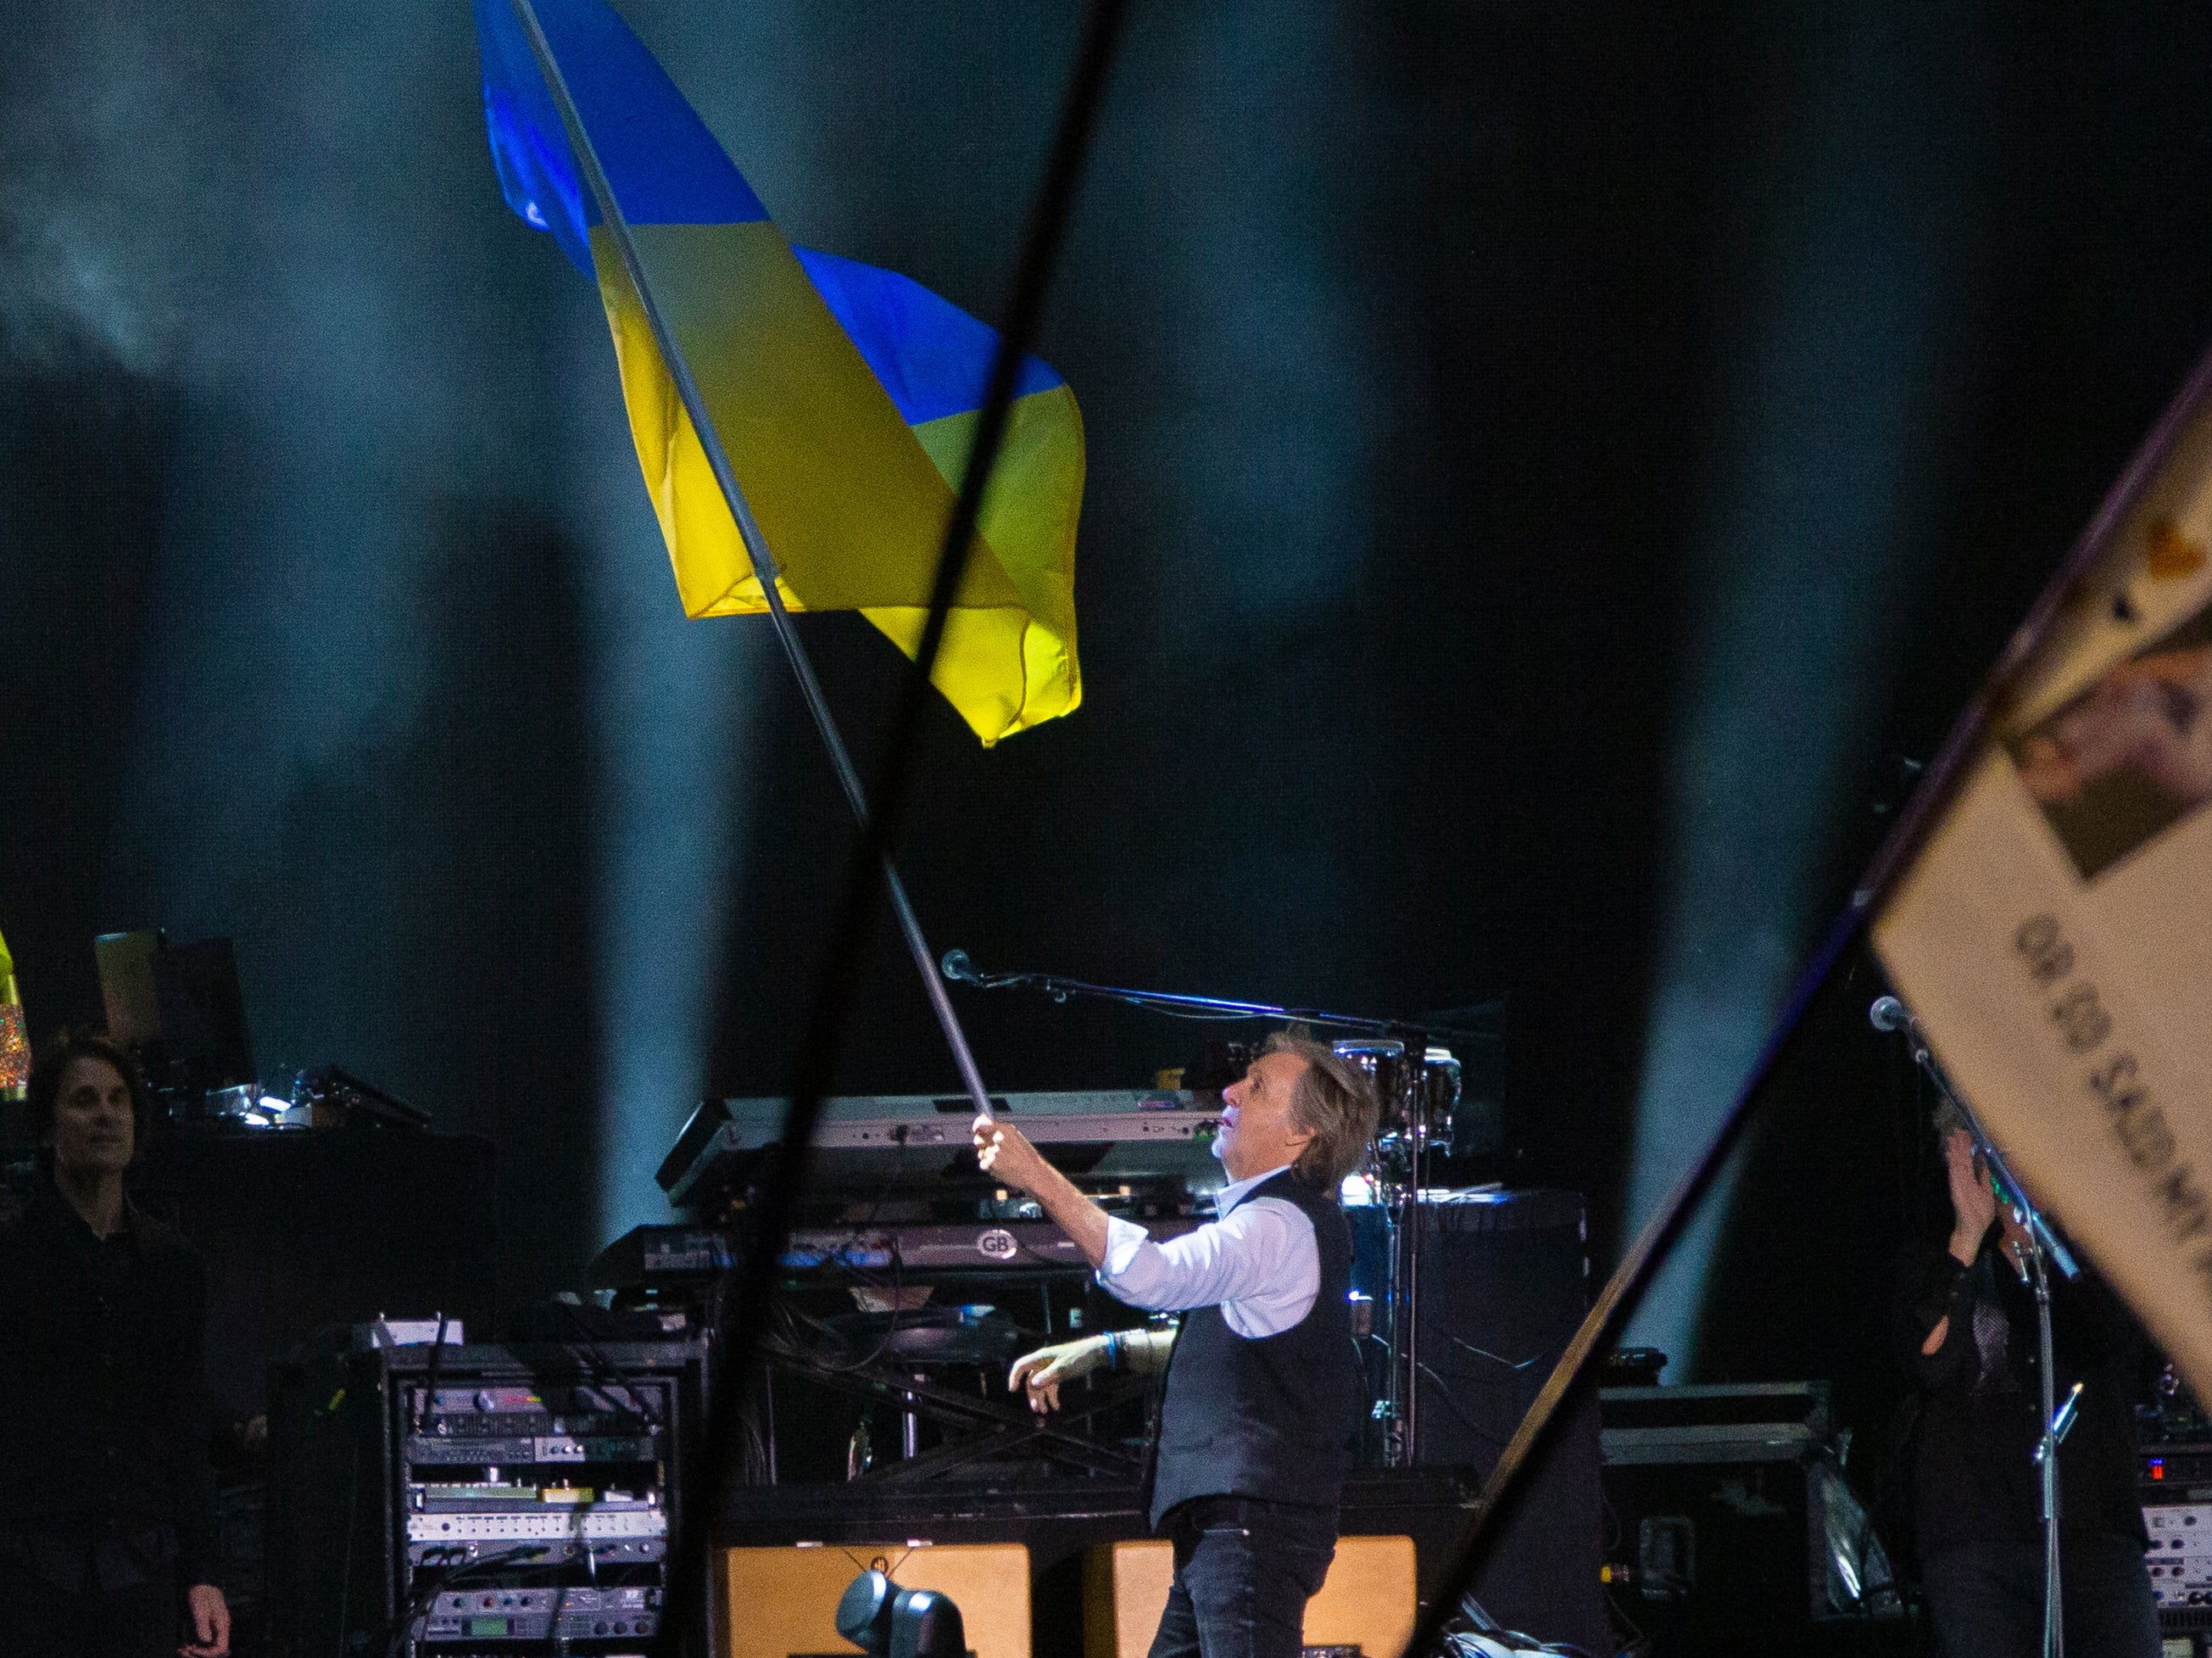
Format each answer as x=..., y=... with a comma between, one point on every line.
x=669, y=705
x=1821, y=516
x=886, y=1621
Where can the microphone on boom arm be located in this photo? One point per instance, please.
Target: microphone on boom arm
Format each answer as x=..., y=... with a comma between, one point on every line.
x=1887, y=1013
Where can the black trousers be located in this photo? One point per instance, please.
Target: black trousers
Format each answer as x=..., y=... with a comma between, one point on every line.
x=1244, y=1571
x=1986, y=1599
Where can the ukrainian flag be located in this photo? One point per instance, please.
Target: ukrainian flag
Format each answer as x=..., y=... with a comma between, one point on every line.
x=845, y=397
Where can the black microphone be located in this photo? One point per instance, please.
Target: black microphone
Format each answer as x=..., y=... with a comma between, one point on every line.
x=959, y=969
x=1887, y=1014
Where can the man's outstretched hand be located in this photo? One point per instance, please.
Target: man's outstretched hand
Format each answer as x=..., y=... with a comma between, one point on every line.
x=1004, y=1151
x=1043, y=1371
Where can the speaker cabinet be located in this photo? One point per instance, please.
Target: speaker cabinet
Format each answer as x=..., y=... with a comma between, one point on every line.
x=782, y=1603
x=1367, y=1601
x=1502, y=1281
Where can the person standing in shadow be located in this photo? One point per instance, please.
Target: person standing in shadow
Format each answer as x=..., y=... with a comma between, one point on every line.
x=106, y=1496
x=1977, y=1501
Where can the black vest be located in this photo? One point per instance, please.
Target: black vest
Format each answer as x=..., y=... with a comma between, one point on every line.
x=1273, y=1418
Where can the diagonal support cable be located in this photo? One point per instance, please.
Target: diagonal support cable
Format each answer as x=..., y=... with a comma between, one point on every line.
x=1620, y=1293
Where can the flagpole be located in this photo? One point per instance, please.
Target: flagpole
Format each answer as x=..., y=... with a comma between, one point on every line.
x=756, y=549
x=743, y=1300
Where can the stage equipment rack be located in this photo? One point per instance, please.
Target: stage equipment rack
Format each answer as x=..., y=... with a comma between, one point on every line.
x=456, y=1501
x=2174, y=1474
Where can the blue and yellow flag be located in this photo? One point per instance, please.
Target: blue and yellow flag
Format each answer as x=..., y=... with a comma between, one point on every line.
x=845, y=397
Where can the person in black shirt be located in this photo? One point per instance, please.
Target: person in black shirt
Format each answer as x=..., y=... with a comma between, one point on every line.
x=106, y=1494
x=1978, y=1492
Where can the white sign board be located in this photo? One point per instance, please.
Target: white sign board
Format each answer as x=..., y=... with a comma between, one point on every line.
x=2054, y=932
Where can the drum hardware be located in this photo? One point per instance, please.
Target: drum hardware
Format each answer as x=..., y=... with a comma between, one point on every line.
x=978, y=1427
x=1417, y=1100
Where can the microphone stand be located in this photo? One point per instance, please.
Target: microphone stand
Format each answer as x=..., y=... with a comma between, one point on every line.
x=1400, y=1410
x=960, y=970
x=2045, y=1250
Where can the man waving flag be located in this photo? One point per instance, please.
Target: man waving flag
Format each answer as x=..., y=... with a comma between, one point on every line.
x=844, y=396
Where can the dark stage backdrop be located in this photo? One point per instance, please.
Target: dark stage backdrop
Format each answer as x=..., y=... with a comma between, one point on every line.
x=1395, y=329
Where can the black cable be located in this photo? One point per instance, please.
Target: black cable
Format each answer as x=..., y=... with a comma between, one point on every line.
x=1638, y=1641
x=836, y=1259
x=1537, y=1358
x=839, y=986
x=594, y=1359
x=1488, y=1627
x=891, y=1329
x=421, y=1601
x=1478, y=1429
x=1615, y=1533
x=345, y=1571
x=430, y=1381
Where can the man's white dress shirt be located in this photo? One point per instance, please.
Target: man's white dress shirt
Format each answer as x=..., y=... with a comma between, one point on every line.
x=1258, y=1262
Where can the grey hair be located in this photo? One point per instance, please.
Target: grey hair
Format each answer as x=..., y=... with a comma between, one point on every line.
x=1335, y=1102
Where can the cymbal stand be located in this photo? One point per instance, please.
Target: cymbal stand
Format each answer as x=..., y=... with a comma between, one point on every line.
x=1399, y=1165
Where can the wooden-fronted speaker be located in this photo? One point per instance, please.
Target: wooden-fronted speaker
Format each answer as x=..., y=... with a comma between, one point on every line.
x=1366, y=1602
x=782, y=1603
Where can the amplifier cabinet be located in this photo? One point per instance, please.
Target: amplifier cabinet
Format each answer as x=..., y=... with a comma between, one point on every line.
x=1502, y=1281
x=782, y=1603
x=1367, y=1601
